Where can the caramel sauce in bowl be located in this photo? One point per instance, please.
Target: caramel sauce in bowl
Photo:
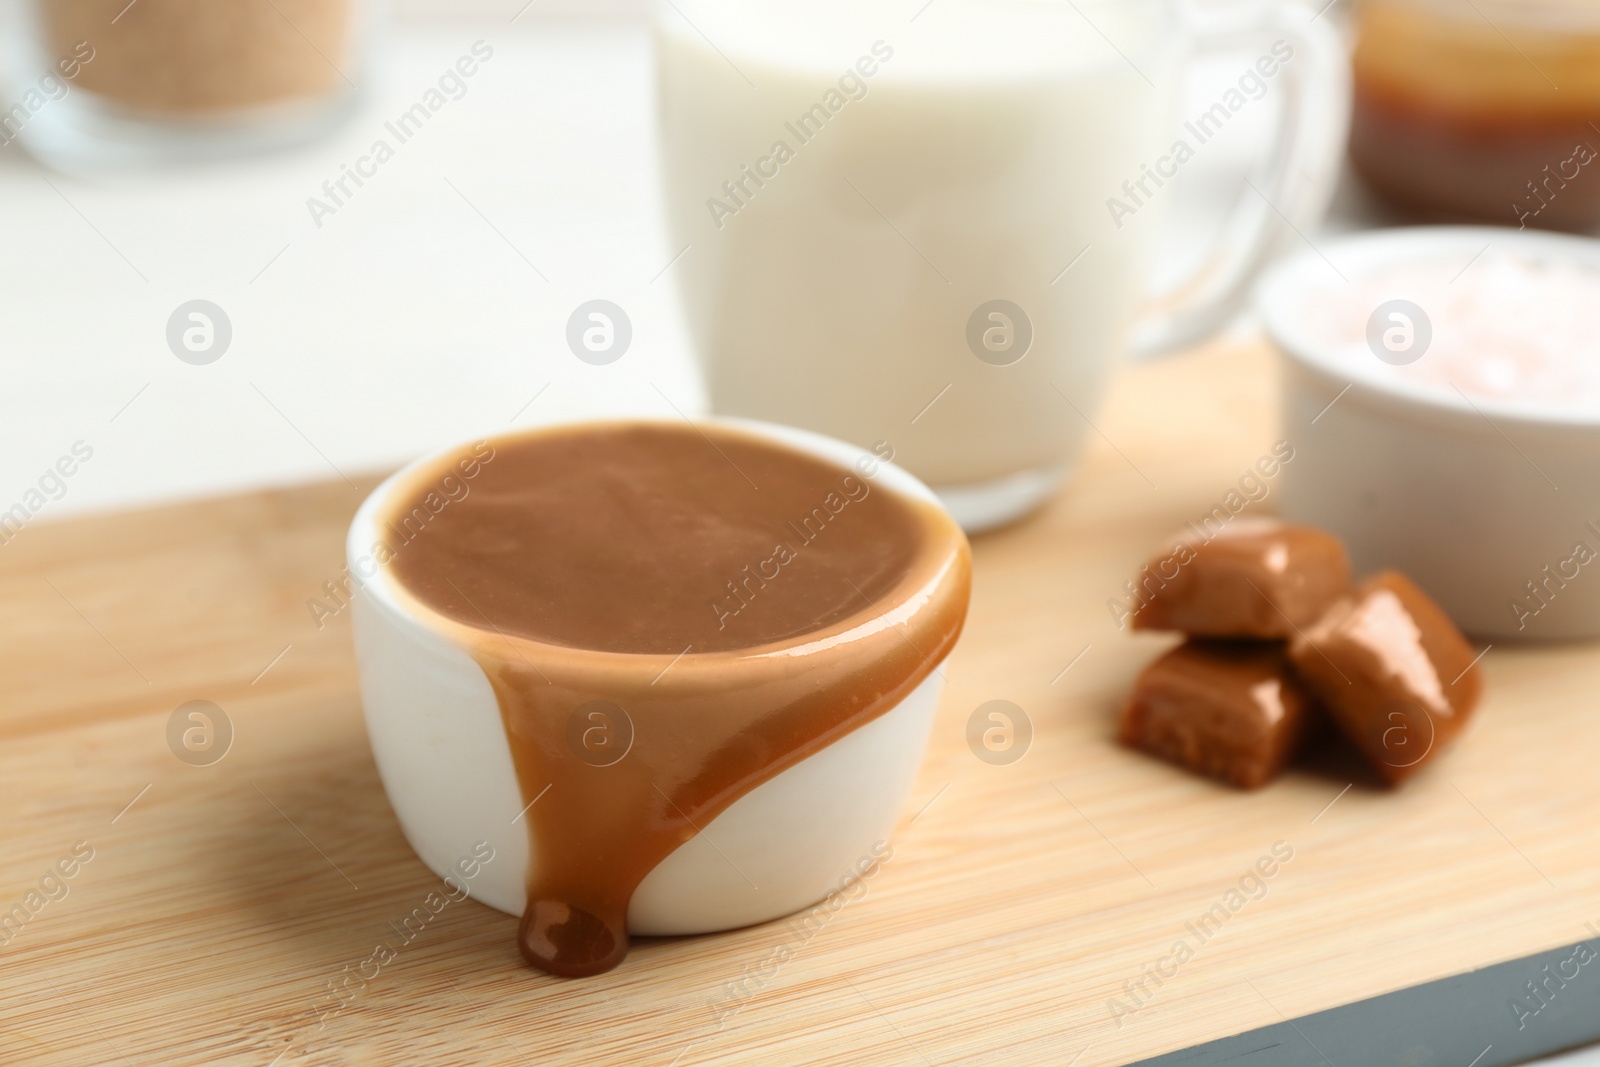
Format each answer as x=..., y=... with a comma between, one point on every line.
x=679, y=677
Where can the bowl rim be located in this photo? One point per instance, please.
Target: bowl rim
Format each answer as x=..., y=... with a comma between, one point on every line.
x=1277, y=298
x=382, y=588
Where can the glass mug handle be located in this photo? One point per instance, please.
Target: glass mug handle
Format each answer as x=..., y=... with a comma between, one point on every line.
x=1292, y=186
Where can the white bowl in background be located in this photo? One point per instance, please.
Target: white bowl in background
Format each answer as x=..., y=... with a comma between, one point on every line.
x=441, y=750
x=1472, y=498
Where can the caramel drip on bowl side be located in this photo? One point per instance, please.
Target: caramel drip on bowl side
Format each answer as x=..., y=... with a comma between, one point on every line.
x=655, y=651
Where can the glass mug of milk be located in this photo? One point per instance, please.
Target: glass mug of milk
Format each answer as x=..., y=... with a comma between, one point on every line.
x=930, y=223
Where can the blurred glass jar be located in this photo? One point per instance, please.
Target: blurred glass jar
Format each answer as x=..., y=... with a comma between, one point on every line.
x=1488, y=109
x=130, y=82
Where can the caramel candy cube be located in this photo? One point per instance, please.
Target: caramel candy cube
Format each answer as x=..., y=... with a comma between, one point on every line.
x=1255, y=577
x=1397, y=675
x=1230, y=710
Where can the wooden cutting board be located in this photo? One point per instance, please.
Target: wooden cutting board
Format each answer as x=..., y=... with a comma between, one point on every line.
x=1020, y=902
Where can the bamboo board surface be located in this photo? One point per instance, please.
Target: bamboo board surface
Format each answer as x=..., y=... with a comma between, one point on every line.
x=222, y=900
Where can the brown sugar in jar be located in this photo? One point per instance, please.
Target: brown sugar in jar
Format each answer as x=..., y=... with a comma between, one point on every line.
x=197, y=59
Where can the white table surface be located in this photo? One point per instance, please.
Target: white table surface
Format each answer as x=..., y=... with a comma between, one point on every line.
x=431, y=308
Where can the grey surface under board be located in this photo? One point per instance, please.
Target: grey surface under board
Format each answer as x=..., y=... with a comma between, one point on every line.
x=1469, y=1020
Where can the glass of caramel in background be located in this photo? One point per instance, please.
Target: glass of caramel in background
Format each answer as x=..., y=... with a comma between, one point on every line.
x=1482, y=109
x=154, y=81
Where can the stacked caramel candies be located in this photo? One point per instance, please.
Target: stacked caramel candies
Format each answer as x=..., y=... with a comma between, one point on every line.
x=1276, y=636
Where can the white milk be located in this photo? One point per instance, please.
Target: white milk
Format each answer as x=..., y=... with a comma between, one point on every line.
x=966, y=156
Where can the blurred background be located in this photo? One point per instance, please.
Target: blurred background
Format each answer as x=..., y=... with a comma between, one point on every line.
x=431, y=303
x=431, y=307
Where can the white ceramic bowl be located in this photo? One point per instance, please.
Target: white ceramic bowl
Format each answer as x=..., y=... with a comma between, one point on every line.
x=441, y=750
x=1472, y=499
